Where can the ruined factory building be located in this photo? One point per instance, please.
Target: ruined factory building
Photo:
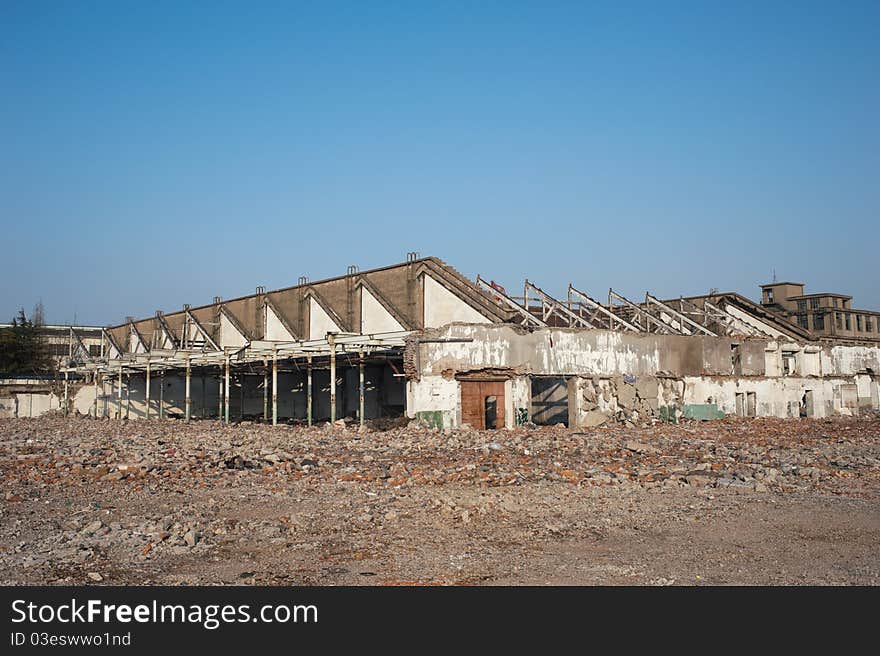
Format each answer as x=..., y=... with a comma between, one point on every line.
x=420, y=339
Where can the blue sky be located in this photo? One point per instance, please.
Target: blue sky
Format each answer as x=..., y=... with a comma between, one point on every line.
x=155, y=154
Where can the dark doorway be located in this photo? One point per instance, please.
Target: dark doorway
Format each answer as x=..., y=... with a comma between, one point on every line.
x=549, y=401
x=492, y=412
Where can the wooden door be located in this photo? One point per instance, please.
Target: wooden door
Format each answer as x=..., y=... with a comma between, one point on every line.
x=482, y=403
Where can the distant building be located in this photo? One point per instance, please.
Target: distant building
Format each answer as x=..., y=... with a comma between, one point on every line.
x=824, y=315
x=68, y=344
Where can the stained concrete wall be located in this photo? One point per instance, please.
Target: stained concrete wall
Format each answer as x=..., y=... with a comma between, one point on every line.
x=571, y=351
x=639, y=376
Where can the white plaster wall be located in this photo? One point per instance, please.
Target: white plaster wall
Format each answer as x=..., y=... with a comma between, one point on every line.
x=517, y=394
x=568, y=352
x=442, y=306
x=275, y=330
x=320, y=322
x=865, y=385
x=808, y=362
x=847, y=360
x=561, y=352
x=374, y=317
x=779, y=397
x=38, y=403
x=28, y=404
x=134, y=343
x=229, y=335
x=435, y=393
x=772, y=360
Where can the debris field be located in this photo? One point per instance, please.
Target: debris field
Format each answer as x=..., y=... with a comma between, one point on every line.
x=733, y=501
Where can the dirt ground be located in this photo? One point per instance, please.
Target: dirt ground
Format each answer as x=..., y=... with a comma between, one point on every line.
x=760, y=501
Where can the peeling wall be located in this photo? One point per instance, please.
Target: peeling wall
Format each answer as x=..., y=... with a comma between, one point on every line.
x=639, y=377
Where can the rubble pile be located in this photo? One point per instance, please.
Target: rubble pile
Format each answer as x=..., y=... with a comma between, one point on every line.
x=179, y=481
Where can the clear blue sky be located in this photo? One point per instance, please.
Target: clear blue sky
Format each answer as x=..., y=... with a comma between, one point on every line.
x=159, y=153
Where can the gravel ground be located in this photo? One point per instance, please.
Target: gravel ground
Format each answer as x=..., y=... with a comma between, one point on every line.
x=760, y=501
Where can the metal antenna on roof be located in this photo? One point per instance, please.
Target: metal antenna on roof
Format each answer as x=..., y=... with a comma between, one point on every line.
x=774, y=275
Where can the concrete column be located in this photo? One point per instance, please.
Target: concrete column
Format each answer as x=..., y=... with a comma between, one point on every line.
x=119, y=397
x=127, y=396
x=331, y=340
x=66, y=396
x=147, y=392
x=95, y=404
x=162, y=394
x=220, y=398
x=187, y=400
x=226, y=391
x=361, y=387
x=309, y=389
x=275, y=389
x=265, y=392
x=105, y=411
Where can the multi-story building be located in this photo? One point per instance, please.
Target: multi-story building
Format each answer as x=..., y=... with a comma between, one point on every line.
x=66, y=343
x=824, y=315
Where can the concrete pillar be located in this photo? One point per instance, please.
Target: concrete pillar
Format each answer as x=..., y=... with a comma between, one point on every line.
x=265, y=392
x=275, y=389
x=127, y=396
x=309, y=389
x=95, y=404
x=147, y=392
x=187, y=400
x=162, y=394
x=119, y=397
x=219, y=398
x=226, y=391
x=331, y=341
x=66, y=396
x=361, y=387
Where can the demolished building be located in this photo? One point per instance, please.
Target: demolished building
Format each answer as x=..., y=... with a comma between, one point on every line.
x=420, y=339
